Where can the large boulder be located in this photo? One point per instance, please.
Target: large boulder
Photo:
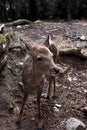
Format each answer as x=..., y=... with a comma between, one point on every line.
x=74, y=124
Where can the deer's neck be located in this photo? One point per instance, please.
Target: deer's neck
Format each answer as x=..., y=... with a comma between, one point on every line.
x=37, y=73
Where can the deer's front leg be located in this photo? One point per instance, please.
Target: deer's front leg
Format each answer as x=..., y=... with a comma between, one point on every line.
x=50, y=87
x=54, y=83
x=22, y=107
x=39, y=92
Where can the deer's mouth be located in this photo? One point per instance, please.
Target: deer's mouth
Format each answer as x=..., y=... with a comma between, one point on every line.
x=55, y=72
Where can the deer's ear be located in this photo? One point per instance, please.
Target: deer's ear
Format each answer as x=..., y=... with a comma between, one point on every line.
x=47, y=41
x=26, y=47
x=29, y=49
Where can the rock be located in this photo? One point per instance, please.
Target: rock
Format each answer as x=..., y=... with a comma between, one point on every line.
x=18, y=26
x=75, y=124
x=85, y=111
x=2, y=28
x=56, y=109
x=83, y=38
x=58, y=105
x=20, y=64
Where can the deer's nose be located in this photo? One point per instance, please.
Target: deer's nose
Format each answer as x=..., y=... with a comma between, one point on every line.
x=56, y=70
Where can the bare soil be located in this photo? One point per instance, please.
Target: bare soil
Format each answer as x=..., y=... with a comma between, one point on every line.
x=71, y=89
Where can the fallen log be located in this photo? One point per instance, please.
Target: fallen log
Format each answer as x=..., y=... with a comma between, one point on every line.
x=18, y=22
x=76, y=51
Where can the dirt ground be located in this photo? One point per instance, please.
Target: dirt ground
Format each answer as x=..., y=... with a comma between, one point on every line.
x=71, y=89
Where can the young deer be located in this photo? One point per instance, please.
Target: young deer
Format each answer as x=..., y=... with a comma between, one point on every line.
x=52, y=78
x=35, y=67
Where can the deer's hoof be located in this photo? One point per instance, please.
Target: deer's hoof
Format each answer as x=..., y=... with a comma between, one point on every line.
x=40, y=128
x=40, y=125
x=17, y=123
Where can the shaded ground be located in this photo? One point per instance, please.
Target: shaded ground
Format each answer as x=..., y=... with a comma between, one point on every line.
x=71, y=89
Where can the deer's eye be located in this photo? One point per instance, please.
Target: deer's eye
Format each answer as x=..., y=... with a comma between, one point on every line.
x=39, y=58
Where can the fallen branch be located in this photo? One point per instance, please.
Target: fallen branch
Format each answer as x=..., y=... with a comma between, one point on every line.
x=18, y=22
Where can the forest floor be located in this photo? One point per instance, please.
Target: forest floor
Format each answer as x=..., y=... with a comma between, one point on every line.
x=71, y=89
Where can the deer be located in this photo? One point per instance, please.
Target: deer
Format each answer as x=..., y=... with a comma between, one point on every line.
x=39, y=62
x=51, y=78
x=56, y=57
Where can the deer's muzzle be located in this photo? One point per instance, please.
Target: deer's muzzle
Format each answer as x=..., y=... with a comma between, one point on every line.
x=54, y=71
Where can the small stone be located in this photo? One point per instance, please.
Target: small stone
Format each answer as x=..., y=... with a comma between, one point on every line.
x=20, y=83
x=83, y=38
x=18, y=26
x=74, y=124
x=44, y=95
x=69, y=78
x=20, y=63
x=75, y=79
x=56, y=109
x=58, y=105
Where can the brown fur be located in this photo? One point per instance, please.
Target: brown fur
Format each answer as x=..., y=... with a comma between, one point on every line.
x=39, y=63
x=51, y=78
